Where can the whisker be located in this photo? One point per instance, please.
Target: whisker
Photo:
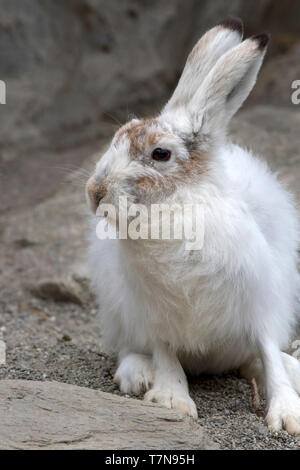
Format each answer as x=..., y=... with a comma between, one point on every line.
x=73, y=171
x=113, y=118
x=77, y=184
x=71, y=167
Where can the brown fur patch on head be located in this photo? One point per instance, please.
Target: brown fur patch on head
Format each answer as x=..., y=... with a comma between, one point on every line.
x=197, y=165
x=124, y=131
x=188, y=172
x=141, y=136
x=146, y=134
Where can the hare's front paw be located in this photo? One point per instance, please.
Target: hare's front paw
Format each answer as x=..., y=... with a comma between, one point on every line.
x=284, y=413
x=178, y=400
x=134, y=374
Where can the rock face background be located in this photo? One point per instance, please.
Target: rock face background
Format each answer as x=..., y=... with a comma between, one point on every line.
x=72, y=67
x=71, y=64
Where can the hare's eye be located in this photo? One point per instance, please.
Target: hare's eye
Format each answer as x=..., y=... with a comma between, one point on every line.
x=161, y=155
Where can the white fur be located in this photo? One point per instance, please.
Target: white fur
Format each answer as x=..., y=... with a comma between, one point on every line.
x=135, y=374
x=218, y=308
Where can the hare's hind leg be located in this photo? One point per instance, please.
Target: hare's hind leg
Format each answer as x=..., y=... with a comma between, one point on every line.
x=254, y=369
x=292, y=366
x=279, y=374
x=135, y=373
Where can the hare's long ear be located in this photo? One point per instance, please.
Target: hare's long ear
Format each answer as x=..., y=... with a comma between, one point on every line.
x=203, y=57
x=227, y=85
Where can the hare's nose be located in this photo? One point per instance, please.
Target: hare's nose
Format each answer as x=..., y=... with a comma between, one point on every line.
x=95, y=191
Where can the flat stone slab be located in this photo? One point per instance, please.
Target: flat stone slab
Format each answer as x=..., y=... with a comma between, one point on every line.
x=53, y=415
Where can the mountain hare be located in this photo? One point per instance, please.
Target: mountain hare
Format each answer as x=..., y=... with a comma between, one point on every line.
x=231, y=304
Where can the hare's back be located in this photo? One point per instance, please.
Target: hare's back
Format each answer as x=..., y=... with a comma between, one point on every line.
x=268, y=202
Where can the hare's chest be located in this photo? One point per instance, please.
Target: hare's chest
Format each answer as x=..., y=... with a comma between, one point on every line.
x=191, y=317
x=186, y=303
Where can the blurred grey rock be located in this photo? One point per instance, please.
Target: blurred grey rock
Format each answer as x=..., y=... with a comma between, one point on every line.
x=53, y=264
x=52, y=415
x=59, y=290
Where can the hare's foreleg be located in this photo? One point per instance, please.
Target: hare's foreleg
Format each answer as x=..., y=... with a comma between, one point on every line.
x=170, y=387
x=135, y=372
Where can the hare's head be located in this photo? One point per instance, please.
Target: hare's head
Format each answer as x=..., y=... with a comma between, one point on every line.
x=148, y=160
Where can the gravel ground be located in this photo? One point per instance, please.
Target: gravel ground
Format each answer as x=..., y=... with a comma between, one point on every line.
x=60, y=341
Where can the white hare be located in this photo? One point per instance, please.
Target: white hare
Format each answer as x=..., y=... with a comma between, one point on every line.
x=231, y=304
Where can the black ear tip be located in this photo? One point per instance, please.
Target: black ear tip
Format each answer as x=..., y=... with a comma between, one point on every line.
x=262, y=40
x=233, y=23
